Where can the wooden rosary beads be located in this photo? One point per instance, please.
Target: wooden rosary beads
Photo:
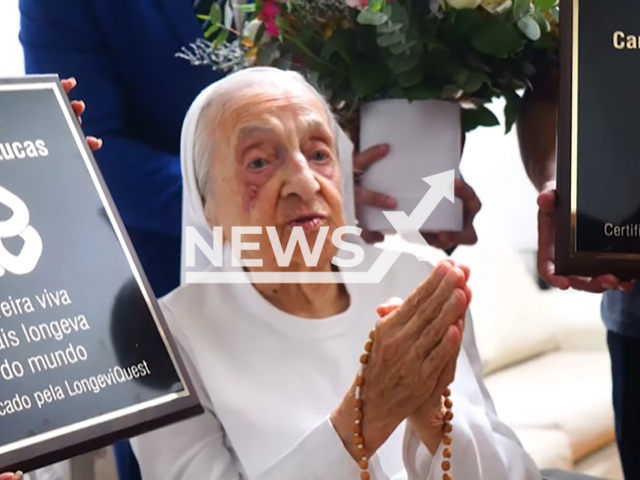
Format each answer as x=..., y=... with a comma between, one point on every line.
x=357, y=419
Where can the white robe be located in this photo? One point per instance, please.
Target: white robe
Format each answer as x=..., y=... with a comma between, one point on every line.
x=269, y=382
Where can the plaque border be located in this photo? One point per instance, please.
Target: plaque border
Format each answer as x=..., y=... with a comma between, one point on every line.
x=569, y=261
x=103, y=430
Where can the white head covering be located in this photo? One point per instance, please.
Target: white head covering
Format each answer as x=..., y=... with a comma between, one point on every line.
x=192, y=208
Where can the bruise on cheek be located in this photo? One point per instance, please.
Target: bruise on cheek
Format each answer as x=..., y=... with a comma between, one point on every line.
x=250, y=196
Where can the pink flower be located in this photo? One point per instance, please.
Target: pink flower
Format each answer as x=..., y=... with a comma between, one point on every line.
x=268, y=14
x=270, y=9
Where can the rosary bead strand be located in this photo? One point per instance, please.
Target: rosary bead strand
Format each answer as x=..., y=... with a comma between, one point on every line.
x=357, y=419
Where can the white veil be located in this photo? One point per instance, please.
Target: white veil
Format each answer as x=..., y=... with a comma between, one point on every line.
x=192, y=208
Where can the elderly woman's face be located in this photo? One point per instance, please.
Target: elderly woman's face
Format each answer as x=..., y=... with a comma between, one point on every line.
x=278, y=167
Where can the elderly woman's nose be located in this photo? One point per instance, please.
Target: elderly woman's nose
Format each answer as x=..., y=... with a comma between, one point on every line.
x=301, y=179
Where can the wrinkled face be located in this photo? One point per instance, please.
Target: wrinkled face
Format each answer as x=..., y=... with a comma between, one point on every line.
x=276, y=165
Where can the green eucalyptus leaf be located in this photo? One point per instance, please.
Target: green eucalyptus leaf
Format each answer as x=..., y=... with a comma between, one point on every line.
x=202, y=17
x=211, y=30
x=498, y=39
x=402, y=48
x=475, y=81
x=403, y=62
x=544, y=6
x=221, y=38
x=555, y=14
x=478, y=117
x=389, y=39
x=389, y=27
x=461, y=77
x=215, y=14
x=542, y=22
x=529, y=27
x=410, y=78
x=369, y=17
x=521, y=8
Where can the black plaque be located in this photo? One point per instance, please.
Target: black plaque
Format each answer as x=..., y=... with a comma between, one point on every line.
x=85, y=356
x=599, y=139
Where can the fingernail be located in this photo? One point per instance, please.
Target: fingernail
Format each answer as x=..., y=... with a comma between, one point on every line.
x=390, y=203
x=73, y=81
x=100, y=142
x=384, y=147
x=17, y=476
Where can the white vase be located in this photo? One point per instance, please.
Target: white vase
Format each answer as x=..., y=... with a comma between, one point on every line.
x=424, y=139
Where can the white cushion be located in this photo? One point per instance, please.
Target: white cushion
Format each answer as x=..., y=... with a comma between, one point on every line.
x=577, y=319
x=511, y=324
x=550, y=449
x=568, y=391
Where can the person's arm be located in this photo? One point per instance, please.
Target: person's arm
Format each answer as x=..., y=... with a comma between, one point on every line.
x=483, y=448
x=63, y=37
x=537, y=129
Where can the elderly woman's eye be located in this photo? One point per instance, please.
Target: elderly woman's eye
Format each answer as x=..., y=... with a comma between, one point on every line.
x=257, y=164
x=319, y=156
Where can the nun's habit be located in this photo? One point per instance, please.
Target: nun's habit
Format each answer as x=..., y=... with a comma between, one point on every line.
x=269, y=380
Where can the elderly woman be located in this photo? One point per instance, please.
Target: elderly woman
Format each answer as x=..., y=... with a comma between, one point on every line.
x=293, y=383
x=314, y=381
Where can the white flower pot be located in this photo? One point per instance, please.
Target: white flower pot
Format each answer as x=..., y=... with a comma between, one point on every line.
x=424, y=139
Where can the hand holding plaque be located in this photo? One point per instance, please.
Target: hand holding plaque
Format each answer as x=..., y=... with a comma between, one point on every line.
x=546, y=252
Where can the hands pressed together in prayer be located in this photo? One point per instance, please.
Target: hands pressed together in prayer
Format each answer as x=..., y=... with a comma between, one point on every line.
x=417, y=342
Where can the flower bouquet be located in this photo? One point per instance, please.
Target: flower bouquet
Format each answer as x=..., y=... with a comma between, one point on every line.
x=414, y=56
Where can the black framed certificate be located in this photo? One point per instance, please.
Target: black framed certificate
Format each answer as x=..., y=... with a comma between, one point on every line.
x=599, y=139
x=85, y=355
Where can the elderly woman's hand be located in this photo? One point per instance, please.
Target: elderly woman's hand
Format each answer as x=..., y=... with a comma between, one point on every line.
x=443, y=240
x=427, y=420
x=78, y=108
x=414, y=348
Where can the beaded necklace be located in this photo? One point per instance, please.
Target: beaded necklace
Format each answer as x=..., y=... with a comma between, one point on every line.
x=357, y=419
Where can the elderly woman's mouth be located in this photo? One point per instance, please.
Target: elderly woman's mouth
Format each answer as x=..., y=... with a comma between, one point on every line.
x=309, y=223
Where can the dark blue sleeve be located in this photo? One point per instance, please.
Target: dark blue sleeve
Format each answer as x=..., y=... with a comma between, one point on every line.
x=63, y=37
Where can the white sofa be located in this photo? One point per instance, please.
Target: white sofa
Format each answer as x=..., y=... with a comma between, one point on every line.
x=544, y=357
